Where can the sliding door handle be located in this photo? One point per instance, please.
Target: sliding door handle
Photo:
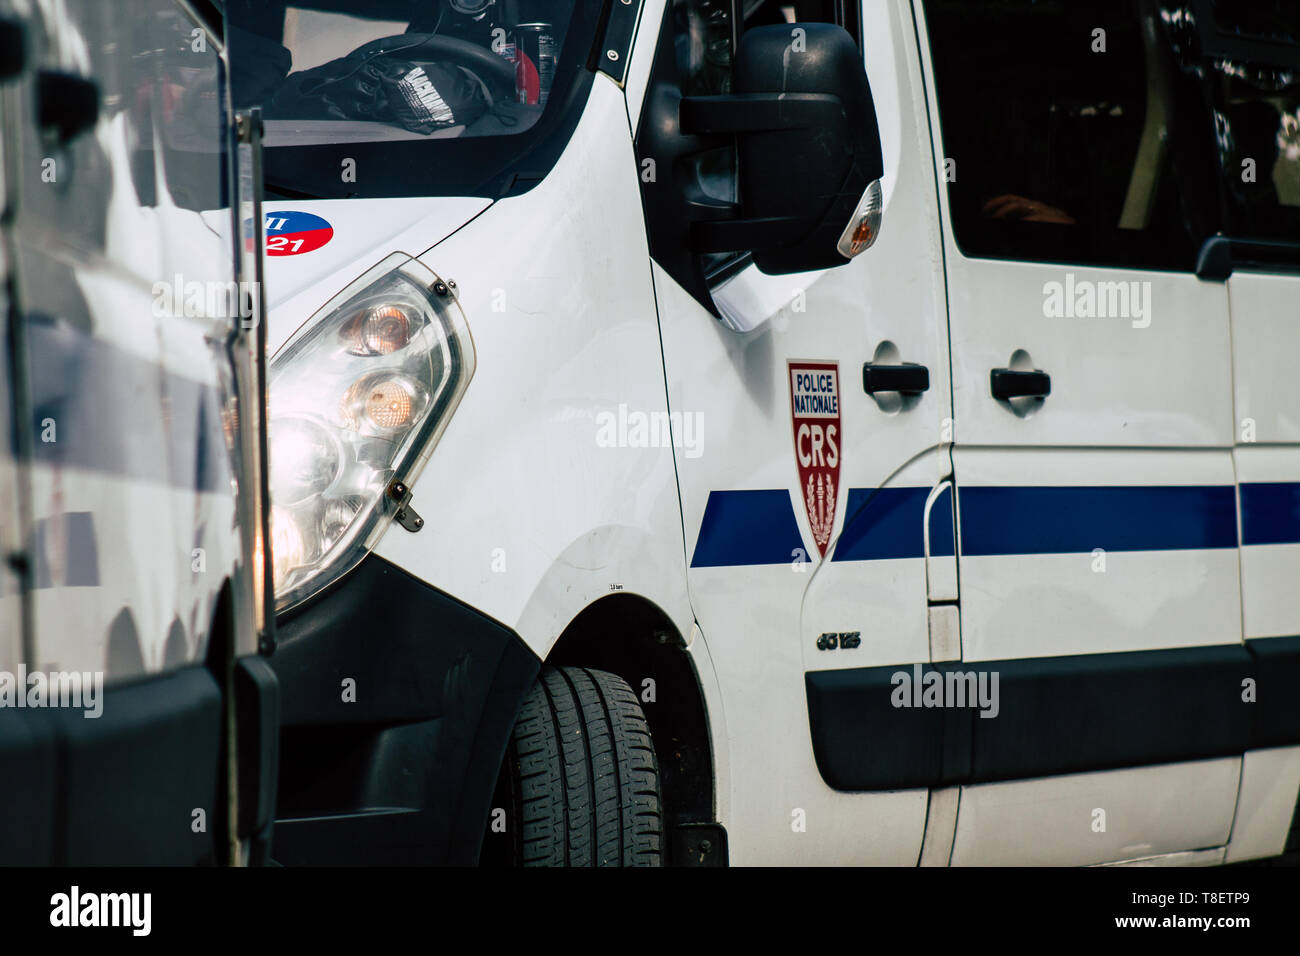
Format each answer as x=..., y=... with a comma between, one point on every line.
x=1009, y=383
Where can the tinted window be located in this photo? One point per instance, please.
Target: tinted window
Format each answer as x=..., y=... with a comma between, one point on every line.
x=1249, y=54
x=1068, y=131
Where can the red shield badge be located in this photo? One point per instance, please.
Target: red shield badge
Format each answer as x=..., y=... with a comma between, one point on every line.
x=815, y=412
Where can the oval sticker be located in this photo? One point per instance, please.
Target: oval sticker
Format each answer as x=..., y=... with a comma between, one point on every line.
x=293, y=233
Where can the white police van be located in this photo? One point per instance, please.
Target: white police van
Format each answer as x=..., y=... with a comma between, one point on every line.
x=625, y=514
x=138, y=720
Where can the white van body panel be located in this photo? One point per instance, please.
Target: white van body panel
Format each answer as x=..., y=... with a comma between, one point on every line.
x=1097, y=817
x=364, y=233
x=1265, y=336
x=1269, y=570
x=564, y=332
x=1269, y=781
x=1045, y=605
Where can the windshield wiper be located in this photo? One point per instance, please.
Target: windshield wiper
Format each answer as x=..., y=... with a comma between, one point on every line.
x=273, y=190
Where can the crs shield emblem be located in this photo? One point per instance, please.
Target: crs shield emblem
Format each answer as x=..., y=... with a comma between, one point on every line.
x=815, y=414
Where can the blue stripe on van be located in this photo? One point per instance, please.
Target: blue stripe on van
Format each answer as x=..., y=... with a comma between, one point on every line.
x=747, y=527
x=759, y=527
x=1061, y=520
x=883, y=524
x=1270, y=512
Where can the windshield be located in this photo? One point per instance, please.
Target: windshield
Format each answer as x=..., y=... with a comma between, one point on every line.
x=410, y=97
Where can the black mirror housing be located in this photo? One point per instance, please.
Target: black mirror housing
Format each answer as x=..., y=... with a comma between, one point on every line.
x=802, y=123
x=815, y=176
x=808, y=149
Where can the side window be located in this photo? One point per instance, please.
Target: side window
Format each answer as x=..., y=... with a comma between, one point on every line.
x=1249, y=55
x=1068, y=132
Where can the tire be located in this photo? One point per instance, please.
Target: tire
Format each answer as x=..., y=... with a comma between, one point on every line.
x=580, y=779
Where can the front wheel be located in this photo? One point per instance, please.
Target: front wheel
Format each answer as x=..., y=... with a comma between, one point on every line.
x=580, y=780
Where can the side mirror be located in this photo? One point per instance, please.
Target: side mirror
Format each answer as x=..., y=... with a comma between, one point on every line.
x=824, y=178
x=67, y=105
x=808, y=150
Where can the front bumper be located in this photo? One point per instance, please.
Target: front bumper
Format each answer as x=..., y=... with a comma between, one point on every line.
x=398, y=702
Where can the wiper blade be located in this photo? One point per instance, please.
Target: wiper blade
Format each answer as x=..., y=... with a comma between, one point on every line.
x=272, y=190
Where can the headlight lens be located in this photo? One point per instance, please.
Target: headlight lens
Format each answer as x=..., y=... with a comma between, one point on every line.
x=358, y=398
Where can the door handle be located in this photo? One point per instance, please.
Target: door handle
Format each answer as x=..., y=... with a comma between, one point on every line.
x=908, y=378
x=1010, y=383
x=66, y=104
x=13, y=47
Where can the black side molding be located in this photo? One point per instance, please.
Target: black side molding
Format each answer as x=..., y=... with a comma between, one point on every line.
x=1056, y=715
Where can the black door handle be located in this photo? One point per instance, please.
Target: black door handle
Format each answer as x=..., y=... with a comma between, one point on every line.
x=66, y=104
x=13, y=48
x=1009, y=383
x=908, y=378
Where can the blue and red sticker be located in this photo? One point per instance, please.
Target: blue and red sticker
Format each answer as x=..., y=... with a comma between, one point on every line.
x=293, y=233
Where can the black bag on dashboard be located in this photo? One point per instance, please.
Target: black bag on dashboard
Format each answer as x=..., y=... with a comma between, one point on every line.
x=382, y=88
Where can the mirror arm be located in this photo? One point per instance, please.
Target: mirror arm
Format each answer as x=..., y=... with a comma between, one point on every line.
x=701, y=208
x=717, y=226
x=741, y=235
x=729, y=114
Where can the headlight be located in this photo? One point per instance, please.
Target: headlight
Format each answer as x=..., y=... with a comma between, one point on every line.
x=358, y=398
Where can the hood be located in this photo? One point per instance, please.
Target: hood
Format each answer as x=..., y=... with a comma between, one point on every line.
x=315, y=248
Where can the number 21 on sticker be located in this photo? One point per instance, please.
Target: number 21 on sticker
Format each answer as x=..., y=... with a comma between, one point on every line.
x=283, y=242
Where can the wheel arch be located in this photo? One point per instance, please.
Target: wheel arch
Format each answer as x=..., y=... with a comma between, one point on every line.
x=629, y=635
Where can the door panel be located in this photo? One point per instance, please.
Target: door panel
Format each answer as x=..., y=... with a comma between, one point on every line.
x=1083, y=552
x=1097, y=817
x=770, y=573
x=1269, y=490
x=1265, y=342
x=1098, y=559
x=1113, y=383
x=873, y=585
